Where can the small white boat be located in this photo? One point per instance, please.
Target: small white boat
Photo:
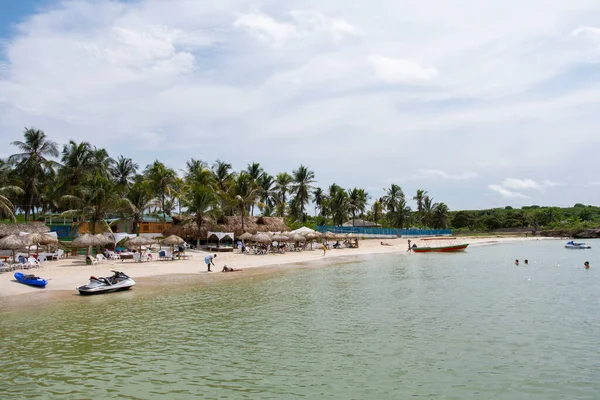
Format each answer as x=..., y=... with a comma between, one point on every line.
x=576, y=246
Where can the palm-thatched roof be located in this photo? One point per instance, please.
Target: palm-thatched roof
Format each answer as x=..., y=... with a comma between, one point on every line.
x=15, y=229
x=187, y=228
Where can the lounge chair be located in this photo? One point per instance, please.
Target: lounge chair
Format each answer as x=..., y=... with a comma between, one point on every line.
x=33, y=263
x=91, y=260
x=101, y=259
x=60, y=254
x=4, y=267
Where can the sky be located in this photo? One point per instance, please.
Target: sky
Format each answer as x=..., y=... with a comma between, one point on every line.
x=482, y=105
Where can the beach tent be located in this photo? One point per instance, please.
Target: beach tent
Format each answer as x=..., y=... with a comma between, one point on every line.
x=220, y=235
x=302, y=231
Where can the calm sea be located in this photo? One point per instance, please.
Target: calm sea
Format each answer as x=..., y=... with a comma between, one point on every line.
x=445, y=326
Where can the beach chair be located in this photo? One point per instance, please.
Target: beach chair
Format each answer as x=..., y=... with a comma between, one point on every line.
x=113, y=256
x=33, y=263
x=91, y=260
x=4, y=267
x=137, y=257
x=60, y=253
x=101, y=259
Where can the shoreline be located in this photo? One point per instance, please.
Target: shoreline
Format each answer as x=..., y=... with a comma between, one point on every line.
x=67, y=274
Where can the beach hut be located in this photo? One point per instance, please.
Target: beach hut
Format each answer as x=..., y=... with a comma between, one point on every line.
x=12, y=242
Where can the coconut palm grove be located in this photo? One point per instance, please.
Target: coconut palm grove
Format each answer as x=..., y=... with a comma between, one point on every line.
x=80, y=181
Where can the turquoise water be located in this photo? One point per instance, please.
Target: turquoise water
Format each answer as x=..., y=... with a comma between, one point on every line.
x=441, y=326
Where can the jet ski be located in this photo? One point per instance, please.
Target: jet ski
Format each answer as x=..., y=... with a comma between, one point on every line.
x=575, y=245
x=117, y=282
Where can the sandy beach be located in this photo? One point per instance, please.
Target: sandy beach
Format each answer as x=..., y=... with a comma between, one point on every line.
x=65, y=275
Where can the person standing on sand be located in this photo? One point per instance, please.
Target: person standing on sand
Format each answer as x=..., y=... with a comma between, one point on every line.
x=209, y=260
x=409, y=248
x=324, y=248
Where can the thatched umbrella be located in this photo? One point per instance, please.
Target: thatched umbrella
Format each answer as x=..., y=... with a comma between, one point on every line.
x=172, y=241
x=140, y=241
x=262, y=238
x=298, y=238
x=246, y=236
x=86, y=240
x=329, y=235
x=280, y=238
x=12, y=242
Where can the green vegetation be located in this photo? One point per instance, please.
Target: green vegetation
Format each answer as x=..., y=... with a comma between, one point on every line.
x=83, y=182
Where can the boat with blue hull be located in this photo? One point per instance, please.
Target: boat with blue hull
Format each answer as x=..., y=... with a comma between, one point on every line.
x=30, y=279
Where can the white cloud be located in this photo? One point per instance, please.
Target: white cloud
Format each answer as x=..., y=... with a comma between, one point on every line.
x=265, y=28
x=524, y=184
x=396, y=71
x=392, y=86
x=507, y=193
x=443, y=174
x=587, y=31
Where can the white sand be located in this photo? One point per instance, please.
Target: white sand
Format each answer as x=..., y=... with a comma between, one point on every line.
x=66, y=275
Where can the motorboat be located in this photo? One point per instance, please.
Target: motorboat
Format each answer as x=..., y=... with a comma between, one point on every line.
x=30, y=279
x=115, y=283
x=439, y=245
x=576, y=245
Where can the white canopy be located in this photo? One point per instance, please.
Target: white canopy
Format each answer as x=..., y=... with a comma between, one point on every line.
x=221, y=235
x=120, y=236
x=302, y=231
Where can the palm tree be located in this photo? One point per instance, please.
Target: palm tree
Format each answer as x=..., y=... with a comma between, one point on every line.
x=303, y=178
x=243, y=193
x=319, y=198
x=283, y=180
x=76, y=159
x=255, y=171
x=392, y=198
x=428, y=208
x=140, y=197
x=377, y=209
x=266, y=193
x=440, y=216
x=222, y=178
x=357, y=202
x=178, y=190
x=6, y=206
x=199, y=201
x=33, y=163
x=101, y=162
x=123, y=171
x=419, y=197
x=338, y=206
x=400, y=215
x=94, y=203
x=197, y=171
x=160, y=179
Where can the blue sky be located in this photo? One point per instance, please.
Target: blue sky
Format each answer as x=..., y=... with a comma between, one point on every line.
x=482, y=106
x=15, y=11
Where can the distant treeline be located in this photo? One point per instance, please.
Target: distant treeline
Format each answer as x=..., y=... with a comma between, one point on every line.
x=536, y=217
